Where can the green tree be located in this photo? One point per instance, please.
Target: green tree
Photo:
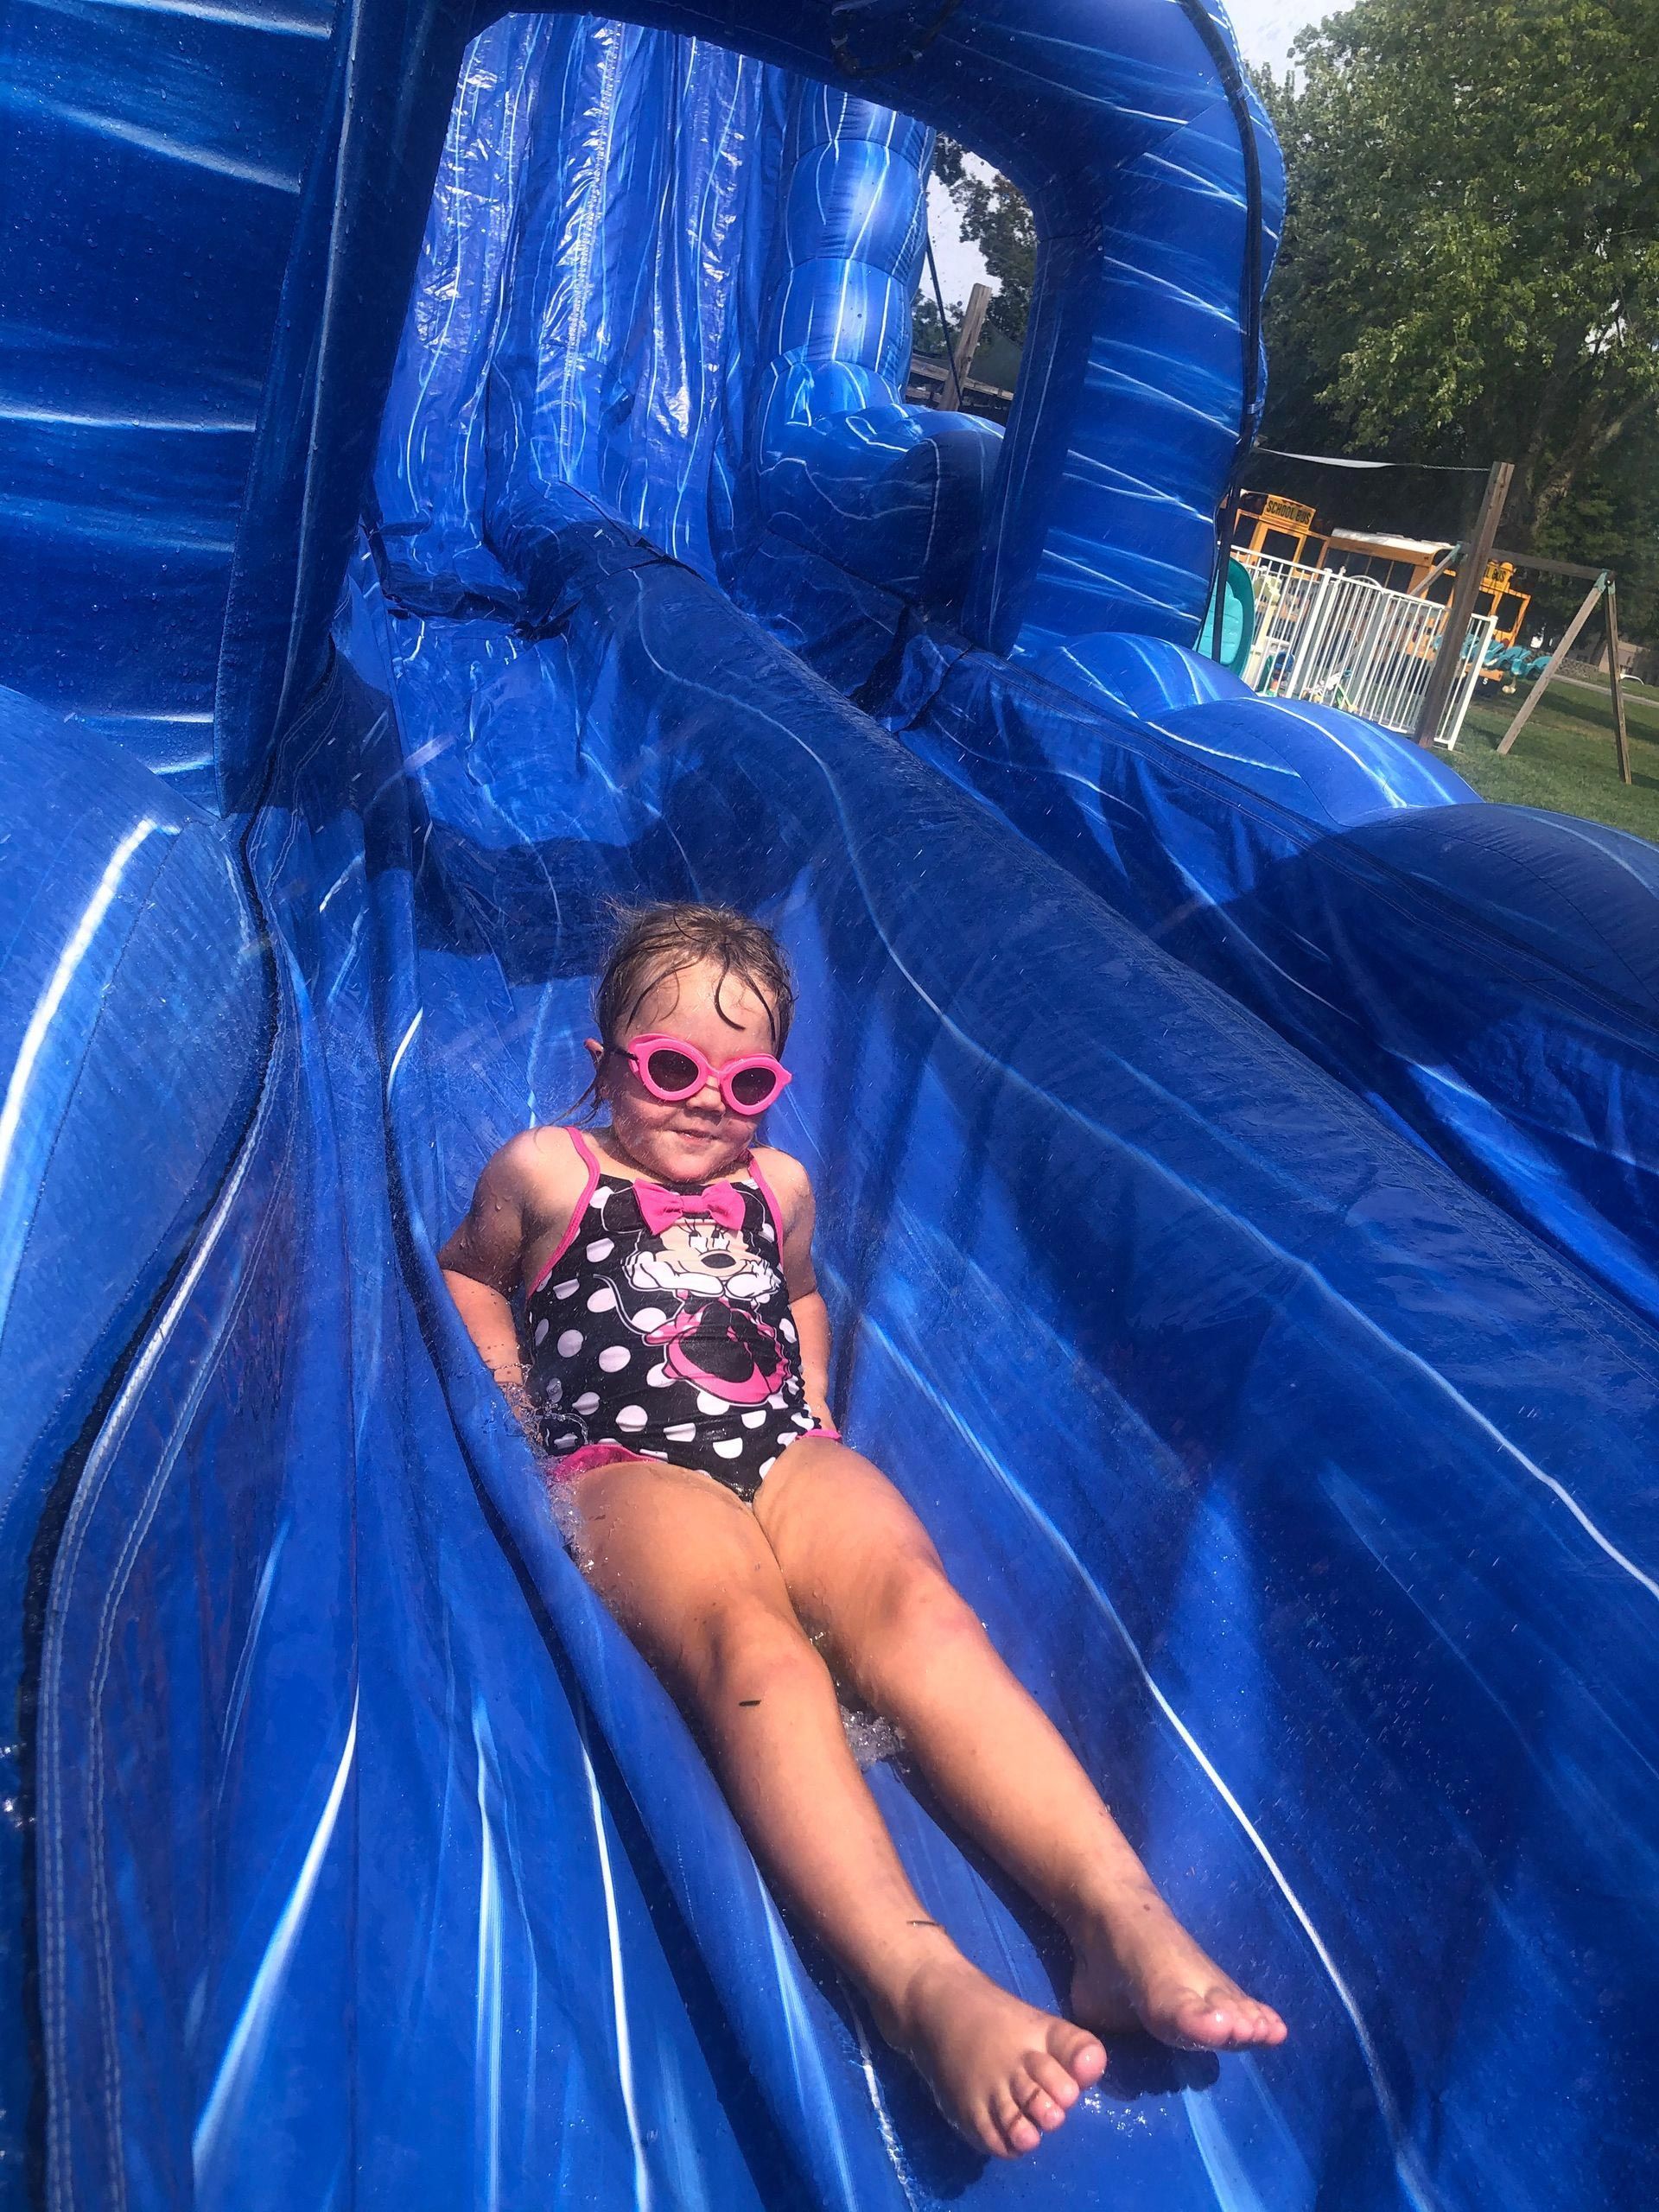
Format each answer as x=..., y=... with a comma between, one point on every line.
x=994, y=215
x=1471, y=260
x=927, y=333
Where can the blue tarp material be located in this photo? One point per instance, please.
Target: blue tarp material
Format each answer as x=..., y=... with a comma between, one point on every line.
x=1486, y=977
x=1281, y=848
x=1309, y=1488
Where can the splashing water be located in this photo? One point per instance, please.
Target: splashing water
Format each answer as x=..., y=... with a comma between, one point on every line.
x=568, y=1521
x=869, y=1737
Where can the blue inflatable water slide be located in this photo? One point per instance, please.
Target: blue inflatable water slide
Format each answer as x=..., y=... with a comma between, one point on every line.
x=456, y=476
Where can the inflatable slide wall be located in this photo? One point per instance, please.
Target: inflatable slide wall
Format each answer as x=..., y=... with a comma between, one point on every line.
x=456, y=476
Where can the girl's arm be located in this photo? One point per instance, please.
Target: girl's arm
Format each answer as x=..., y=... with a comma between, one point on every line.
x=481, y=1263
x=811, y=1318
x=488, y=1315
x=806, y=1307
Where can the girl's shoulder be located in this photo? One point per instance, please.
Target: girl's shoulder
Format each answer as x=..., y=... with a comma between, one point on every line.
x=784, y=1177
x=545, y=1169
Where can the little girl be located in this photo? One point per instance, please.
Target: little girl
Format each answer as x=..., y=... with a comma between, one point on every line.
x=674, y=1356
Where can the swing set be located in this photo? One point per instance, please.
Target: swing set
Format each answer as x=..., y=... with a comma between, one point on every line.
x=1603, y=593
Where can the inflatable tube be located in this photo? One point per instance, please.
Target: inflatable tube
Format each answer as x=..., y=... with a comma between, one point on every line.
x=1483, y=976
x=135, y=1016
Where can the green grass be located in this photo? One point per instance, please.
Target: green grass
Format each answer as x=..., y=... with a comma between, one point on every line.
x=1564, y=757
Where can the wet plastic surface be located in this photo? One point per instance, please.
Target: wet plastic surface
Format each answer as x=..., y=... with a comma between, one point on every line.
x=1309, y=1491
x=1486, y=977
x=153, y=167
x=135, y=1020
x=1298, y=1484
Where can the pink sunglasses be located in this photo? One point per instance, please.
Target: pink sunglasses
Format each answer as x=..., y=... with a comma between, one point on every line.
x=671, y=1070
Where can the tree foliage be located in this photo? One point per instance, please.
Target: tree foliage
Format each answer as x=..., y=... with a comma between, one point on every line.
x=1470, y=267
x=927, y=331
x=995, y=217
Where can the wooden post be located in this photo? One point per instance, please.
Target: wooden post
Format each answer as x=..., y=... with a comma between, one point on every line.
x=1621, y=736
x=1471, y=574
x=1420, y=589
x=967, y=345
x=1595, y=591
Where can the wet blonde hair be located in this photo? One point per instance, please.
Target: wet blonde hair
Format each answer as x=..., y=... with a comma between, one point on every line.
x=653, y=943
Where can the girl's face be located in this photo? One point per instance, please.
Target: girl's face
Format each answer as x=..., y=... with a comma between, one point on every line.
x=688, y=1140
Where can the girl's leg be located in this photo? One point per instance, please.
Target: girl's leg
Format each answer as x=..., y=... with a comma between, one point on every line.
x=859, y=1564
x=683, y=1567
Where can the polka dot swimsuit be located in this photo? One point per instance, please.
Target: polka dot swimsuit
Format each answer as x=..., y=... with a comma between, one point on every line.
x=672, y=1342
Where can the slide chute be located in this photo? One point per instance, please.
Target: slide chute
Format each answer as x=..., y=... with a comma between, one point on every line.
x=458, y=476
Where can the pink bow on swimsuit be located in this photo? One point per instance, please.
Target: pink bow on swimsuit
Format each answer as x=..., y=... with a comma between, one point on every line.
x=661, y=1209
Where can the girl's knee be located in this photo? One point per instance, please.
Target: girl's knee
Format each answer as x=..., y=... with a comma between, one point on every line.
x=746, y=1647
x=915, y=1617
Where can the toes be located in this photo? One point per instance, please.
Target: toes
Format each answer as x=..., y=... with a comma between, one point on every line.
x=1022, y=2135
x=1202, y=2024
x=1081, y=2054
x=1017, y=2132
x=1263, y=2025
x=1048, y=2074
x=1249, y=2021
x=991, y=2138
x=1039, y=2108
x=1223, y=2019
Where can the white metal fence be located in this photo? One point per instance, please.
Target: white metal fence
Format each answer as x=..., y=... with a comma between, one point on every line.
x=1344, y=641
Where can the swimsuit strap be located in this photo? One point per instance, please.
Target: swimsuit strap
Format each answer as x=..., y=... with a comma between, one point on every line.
x=769, y=1199
x=589, y=1159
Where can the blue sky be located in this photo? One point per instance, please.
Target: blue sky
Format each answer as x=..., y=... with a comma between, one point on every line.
x=1264, y=29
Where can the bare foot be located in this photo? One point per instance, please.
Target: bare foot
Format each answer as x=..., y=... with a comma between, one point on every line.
x=1002, y=2072
x=1137, y=1967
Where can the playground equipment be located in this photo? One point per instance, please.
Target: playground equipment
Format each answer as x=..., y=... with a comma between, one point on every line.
x=1349, y=642
x=1603, y=593
x=458, y=476
x=1230, y=642
x=1290, y=529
